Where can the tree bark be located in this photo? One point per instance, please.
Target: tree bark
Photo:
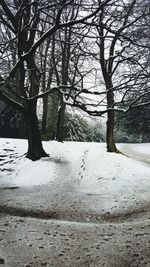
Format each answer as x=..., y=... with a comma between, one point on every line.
x=44, y=116
x=111, y=147
x=60, y=122
x=35, y=148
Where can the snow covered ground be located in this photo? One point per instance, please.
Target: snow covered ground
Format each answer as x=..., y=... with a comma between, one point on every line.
x=80, y=207
x=77, y=176
x=137, y=151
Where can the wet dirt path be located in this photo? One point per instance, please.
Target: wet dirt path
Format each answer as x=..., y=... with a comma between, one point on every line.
x=28, y=242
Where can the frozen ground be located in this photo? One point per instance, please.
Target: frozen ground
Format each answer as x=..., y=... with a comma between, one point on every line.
x=80, y=190
x=137, y=151
x=77, y=176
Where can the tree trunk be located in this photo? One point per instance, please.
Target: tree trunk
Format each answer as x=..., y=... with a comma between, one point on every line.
x=60, y=122
x=111, y=147
x=35, y=148
x=44, y=116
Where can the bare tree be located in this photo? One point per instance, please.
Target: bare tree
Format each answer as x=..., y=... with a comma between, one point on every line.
x=122, y=69
x=23, y=18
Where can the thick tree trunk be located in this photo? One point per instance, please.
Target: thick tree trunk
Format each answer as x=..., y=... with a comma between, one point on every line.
x=60, y=123
x=111, y=147
x=35, y=148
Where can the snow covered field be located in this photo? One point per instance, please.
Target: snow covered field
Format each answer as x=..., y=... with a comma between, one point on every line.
x=78, y=175
x=81, y=206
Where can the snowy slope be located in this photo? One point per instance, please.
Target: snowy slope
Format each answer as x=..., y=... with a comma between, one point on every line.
x=137, y=151
x=81, y=173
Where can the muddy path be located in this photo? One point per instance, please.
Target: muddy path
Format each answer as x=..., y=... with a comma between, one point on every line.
x=29, y=242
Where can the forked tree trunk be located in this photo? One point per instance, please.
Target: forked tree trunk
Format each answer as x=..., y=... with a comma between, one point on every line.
x=35, y=148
